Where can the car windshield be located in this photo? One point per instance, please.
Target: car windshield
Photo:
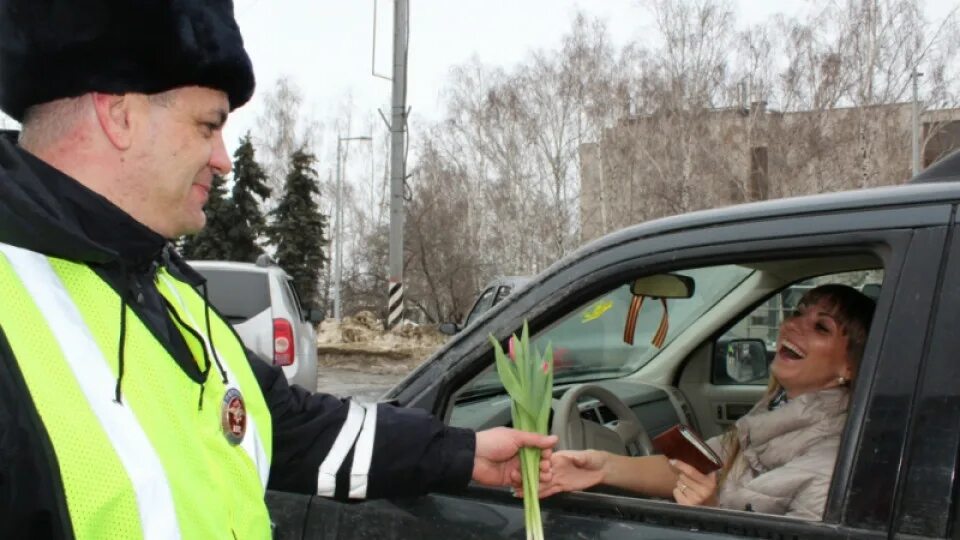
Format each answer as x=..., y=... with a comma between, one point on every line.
x=588, y=342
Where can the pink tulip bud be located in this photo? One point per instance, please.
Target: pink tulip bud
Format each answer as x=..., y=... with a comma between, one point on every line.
x=511, y=352
x=545, y=367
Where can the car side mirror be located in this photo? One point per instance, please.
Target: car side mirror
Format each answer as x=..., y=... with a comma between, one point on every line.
x=449, y=328
x=315, y=315
x=746, y=360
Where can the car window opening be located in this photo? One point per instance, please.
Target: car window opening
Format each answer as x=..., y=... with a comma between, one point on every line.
x=592, y=344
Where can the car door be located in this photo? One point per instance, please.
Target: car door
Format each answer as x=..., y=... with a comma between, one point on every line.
x=928, y=504
x=910, y=242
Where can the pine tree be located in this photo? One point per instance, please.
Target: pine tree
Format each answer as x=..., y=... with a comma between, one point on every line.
x=298, y=228
x=246, y=219
x=212, y=243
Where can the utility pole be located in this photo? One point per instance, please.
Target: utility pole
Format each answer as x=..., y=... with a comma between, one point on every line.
x=338, y=269
x=916, y=122
x=398, y=130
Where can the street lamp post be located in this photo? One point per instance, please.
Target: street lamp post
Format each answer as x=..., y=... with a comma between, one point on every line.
x=338, y=269
x=915, y=118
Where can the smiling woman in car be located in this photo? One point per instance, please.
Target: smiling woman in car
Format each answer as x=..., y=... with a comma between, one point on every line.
x=779, y=458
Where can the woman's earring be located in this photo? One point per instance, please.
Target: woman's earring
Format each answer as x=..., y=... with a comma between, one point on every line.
x=841, y=380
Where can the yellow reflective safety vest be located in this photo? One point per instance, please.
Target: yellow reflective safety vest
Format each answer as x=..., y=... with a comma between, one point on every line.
x=156, y=465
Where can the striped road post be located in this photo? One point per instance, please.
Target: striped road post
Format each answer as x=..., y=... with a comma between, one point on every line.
x=396, y=303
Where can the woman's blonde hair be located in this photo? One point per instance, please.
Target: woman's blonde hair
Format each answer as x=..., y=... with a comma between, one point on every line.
x=854, y=311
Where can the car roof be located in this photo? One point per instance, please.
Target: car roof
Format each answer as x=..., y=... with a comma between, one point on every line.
x=865, y=199
x=235, y=266
x=510, y=281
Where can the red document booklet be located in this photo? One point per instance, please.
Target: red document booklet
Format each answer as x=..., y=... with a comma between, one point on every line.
x=682, y=444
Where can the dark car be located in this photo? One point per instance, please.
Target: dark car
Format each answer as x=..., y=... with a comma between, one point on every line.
x=897, y=470
x=495, y=291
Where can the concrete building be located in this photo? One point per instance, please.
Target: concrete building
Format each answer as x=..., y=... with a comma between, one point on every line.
x=672, y=162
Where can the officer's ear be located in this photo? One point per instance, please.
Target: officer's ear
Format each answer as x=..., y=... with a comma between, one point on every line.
x=118, y=115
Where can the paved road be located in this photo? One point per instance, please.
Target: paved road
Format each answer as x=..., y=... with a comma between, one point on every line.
x=365, y=386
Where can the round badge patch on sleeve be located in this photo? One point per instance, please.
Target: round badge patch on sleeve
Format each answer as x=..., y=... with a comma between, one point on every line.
x=233, y=416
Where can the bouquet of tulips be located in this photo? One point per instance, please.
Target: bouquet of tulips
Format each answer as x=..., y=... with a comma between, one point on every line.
x=528, y=378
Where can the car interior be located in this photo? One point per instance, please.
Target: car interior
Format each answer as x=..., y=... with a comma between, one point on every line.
x=695, y=351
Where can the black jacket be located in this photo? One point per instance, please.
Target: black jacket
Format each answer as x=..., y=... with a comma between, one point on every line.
x=44, y=210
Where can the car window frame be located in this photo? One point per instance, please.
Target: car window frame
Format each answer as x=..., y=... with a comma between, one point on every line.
x=864, y=499
x=290, y=291
x=930, y=471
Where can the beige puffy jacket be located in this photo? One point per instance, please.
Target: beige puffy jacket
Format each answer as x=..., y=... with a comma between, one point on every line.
x=787, y=455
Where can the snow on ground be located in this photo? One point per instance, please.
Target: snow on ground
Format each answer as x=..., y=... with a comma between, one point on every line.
x=359, y=343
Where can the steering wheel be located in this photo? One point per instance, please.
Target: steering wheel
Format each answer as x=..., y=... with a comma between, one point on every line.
x=575, y=433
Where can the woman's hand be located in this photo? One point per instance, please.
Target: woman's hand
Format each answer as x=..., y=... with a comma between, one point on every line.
x=574, y=471
x=693, y=487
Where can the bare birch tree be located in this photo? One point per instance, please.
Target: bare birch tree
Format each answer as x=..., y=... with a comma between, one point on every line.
x=702, y=114
x=282, y=128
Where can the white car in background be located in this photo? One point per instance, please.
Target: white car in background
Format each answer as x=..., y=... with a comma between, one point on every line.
x=262, y=304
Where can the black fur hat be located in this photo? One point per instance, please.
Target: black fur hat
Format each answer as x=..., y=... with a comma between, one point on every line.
x=52, y=49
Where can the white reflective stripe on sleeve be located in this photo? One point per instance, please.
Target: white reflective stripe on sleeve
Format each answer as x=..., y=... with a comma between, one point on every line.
x=363, y=455
x=97, y=382
x=251, y=443
x=327, y=475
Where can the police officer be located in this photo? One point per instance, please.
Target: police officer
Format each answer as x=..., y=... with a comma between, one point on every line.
x=128, y=407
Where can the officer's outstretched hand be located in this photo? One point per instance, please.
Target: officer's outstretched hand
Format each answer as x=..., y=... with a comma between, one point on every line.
x=496, y=461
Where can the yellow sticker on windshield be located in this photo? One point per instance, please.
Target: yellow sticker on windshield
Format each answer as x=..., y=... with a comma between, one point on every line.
x=596, y=310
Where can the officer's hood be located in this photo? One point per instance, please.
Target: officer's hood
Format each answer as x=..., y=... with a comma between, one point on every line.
x=44, y=210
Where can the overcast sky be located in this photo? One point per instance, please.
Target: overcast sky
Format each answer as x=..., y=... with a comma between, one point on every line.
x=325, y=46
